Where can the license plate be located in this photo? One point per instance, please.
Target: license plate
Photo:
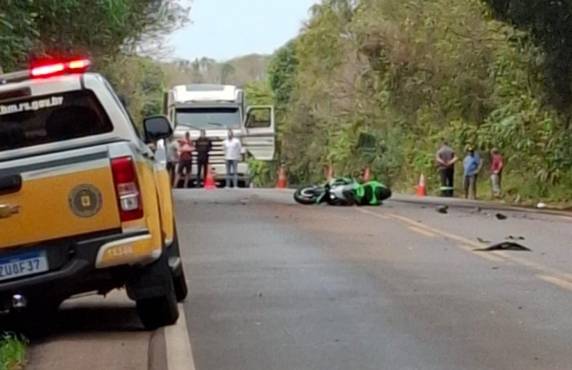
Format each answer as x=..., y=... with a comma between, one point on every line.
x=24, y=264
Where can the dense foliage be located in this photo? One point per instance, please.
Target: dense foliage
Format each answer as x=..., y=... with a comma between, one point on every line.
x=548, y=23
x=238, y=71
x=111, y=32
x=379, y=82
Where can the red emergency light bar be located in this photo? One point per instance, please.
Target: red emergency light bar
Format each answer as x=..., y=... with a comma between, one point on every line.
x=54, y=68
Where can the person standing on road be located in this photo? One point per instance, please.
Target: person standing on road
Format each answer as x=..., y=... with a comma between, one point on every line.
x=472, y=166
x=203, y=146
x=186, y=159
x=232, y=154
x=172, y=158
x=497, y=166
x=446, y=160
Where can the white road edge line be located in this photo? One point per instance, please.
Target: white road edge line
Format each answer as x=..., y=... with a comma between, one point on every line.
x=179, y=350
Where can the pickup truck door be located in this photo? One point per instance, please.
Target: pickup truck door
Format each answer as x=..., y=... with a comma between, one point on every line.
x=260, y=138
x=164, y=192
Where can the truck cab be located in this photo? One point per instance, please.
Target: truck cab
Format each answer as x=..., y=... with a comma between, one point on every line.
x=217, y=109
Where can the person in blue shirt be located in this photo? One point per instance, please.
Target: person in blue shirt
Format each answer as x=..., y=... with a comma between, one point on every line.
x=472, y=165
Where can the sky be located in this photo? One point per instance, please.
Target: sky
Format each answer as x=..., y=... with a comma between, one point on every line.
x=223, y=29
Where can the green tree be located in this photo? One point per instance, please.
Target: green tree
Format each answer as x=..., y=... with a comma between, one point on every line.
x=17, y=32
x=282, y=73
x=110, y=31
x=226, y=72
x=103, y=29
x=550, y=27
x=404, y=74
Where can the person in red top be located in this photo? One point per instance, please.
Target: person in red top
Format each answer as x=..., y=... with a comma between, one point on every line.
x=186, y=149
x=497, y=166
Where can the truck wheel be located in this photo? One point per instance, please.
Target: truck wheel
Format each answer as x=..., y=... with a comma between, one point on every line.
x=154, y=293
x=180, y=283
x=177, y=269
x=159, y=311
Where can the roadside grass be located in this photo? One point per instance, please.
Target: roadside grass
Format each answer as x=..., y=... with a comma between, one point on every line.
x=12, y=352
x=516, y=191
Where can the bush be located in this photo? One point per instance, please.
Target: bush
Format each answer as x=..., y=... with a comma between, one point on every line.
x=411, y=75
x=12, y=352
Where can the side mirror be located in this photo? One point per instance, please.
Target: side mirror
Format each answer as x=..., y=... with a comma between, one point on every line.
x=157, y=128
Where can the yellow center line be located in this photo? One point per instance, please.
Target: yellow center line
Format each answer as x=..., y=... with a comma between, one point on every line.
x=465, y=244
x=559, y=274
x=564, y=284
x=537, y=266
x=374, y=214
x=547, y=274
x=447, y=235
x=485, y=255
x=422, y=232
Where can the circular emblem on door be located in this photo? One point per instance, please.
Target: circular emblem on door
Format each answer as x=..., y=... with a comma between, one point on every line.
x=85, y=201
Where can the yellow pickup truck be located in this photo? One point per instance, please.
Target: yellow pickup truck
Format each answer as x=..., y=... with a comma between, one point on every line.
x=85, y=204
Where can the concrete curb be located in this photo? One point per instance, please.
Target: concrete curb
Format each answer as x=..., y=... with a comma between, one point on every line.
x=471, y=204
x=451, y=202
x=157, y=351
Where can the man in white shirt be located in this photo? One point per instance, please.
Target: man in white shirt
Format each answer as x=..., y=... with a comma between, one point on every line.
x=232, y=154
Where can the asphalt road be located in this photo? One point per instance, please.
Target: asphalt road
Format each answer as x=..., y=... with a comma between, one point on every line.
x=275, y=285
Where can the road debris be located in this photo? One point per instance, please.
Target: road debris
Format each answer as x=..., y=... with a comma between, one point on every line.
x=443, y=210
x=483, y=241
x=505, y=246
x=501, y=217
x=510, y=237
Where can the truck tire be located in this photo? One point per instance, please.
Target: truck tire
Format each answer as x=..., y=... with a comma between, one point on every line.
x=157, y=312
x=180, y=283
x=154, y=293
x=178, y=270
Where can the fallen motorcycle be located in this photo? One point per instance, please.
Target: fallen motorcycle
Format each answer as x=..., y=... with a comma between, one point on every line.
x=344, y=192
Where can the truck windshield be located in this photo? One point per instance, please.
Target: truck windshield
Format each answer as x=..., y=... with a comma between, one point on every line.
x=52, y=118
x=209, y=118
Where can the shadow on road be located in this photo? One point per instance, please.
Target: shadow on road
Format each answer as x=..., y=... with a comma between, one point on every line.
x=73, y=320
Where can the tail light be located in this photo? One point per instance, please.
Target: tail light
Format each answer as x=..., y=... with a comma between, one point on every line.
x=127, y=189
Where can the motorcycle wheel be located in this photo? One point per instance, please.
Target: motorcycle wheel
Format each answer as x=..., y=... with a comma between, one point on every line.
x=307, y=196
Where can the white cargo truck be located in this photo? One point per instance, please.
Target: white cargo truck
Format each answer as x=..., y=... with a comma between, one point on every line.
x=216, y=109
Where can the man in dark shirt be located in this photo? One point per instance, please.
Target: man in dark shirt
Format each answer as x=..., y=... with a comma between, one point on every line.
x=203, y=147
x=446, y=160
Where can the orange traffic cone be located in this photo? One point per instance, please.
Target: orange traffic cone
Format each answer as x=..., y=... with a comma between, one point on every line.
x=366, y=174
x=422, y=187
x=210, y=181
x=282, y=180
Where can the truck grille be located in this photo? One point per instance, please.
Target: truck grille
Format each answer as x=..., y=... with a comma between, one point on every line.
x=216, y=154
